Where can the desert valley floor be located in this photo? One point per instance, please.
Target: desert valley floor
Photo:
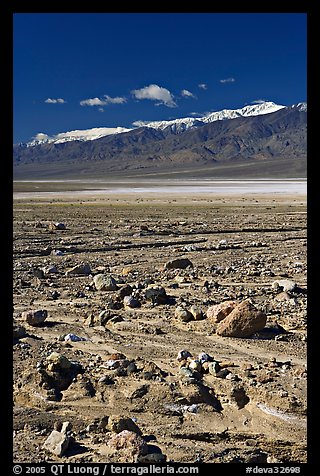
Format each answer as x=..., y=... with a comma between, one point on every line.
x=128, y=288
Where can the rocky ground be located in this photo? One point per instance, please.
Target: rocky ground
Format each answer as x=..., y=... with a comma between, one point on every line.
x=122, y=348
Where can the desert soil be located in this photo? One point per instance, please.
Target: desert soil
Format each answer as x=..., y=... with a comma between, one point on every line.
x=239, y=247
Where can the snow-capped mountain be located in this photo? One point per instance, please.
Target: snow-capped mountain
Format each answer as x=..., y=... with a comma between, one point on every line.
x=302, y=106
x=251, y=110
x=181, y=125
x=80, y=135
x=276, y=141
x=175, y=126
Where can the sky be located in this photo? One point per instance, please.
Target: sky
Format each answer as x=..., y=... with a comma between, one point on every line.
x=76, y=71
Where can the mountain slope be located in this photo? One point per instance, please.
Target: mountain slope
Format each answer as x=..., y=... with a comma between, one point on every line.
x=278, y=135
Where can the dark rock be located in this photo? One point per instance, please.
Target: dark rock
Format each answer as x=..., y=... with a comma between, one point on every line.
x=156, y=294
x=18, y=330
x=79, y=269
x=125, y=291
x=239, y=396
x=179, y=263
x=35, y=317
x=117, y=424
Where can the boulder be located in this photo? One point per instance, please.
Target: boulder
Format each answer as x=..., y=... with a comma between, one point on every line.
x=243, y=321
x=105, y=282
x=56, y=443
x=35, y=317
x=130, y=442
x=218, y=312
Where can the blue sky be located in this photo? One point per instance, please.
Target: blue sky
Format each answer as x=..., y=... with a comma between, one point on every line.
x=84, y=70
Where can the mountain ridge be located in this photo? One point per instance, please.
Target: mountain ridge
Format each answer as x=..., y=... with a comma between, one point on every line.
x=256, y=138
x=176, y=125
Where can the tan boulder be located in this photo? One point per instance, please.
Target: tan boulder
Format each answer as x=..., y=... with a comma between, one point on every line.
x=218, y=312
x=243, y=321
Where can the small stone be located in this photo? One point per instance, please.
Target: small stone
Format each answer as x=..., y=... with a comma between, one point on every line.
x=35, y=318
x=38, y=273
x=79, y=269
x=18, y=330
x=286, y=285
x=195, y=365
x=127, y=270
x=186, y=372
x=156, y=294
x=183, y=355
x=105, y=282
x=222, y=373
x=57, y=253
x=56, y=226
x=131, y=302
x=205, y=367
x=58, y=361
x=196, y=313
x=203, y=357
x=132, y=368
x=66, y=426
x=283, y=296
x=56, y=443
x=214, y=367
x=125, y=291
x=152, y=458
x=183, y=314
x=179, y=263
x=118, y=423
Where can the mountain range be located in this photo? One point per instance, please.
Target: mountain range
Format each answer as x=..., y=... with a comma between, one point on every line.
x=267, y=136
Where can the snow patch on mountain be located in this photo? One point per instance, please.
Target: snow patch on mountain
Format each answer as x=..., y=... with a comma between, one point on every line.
x=302, y=106
x=80, y=135
x=180, y=125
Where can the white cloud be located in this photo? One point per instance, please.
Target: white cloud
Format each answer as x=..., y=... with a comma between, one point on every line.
x=227, y=80
x=202, y=86
x=102, y=102
x=155, y=93
x=187, y=94
x=140, y=123
x=55, y=101
x=41, y=136
x=92, y=102
x=101, y=109
x=116, y=100
x=258, y=101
